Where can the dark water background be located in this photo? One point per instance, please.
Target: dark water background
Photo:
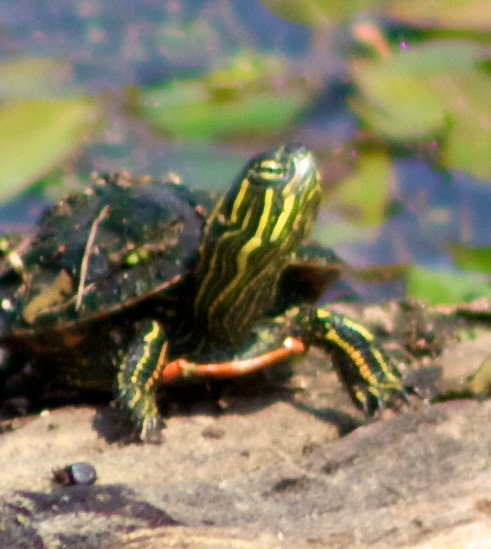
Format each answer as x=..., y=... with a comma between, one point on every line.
x=114, y=43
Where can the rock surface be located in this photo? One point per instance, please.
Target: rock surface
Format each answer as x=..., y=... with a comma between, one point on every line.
x=275, y=469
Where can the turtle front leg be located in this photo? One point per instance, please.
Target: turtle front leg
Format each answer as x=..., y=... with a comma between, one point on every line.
x=357, y=356
x=138, y=373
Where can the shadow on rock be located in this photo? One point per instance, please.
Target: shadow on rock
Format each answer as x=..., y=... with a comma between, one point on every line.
x=64, y=510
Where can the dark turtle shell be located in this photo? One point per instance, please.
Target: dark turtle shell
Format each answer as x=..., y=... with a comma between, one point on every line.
x=99, y=252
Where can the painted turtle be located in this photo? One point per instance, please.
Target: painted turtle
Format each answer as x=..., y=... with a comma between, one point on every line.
x=134, y=279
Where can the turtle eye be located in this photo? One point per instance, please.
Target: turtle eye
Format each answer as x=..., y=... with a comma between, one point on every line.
x=269, y=170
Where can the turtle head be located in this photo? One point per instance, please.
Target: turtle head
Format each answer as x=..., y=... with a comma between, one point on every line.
x=273, y=200
x=250, y=236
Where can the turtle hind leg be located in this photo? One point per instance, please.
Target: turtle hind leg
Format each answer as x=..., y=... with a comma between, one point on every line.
x=139, y=372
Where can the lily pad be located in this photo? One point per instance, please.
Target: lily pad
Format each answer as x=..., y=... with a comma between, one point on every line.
x=468, y=146
x=336, y=233
x=436, y=89
x=407, y=96
x=37, y=134
x=247, y=93
x=36, y=78
x=363, y=196
x=453, y=14
x=317, y=12
x=438, y=286
x=188, y=110
x=472, y=259
x=449, y=14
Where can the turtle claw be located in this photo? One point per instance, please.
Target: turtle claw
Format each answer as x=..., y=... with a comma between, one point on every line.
x=151, y=430
x=120, y=424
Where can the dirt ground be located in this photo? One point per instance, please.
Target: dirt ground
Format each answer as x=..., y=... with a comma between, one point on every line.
x=275, y=468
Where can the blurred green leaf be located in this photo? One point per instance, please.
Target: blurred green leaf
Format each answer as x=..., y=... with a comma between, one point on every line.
x=363, y=196
x=245, y=71
x=35, y=78
x=252, y=93
x=437, y=286
x=468, y=148
x=35, y=135
x=468, y=144
x=400, y=98
x=305, y=12
x=333, y=233
x=453, y=14
x=318, y=12
x=186, y=109
x=398, y=107
x=433, y=89
x=471, y=259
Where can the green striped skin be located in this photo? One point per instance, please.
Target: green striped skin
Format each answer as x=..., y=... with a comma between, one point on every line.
x=138, y=374
x=250, y=238
x=367, y=373
x=358, y=358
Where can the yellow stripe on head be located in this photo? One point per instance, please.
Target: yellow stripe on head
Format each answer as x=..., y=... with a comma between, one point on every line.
x=239, y=199
x=288, y=205
x=263, y=221
x=256, y=241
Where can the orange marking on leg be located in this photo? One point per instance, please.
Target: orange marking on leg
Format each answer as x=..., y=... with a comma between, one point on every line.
x=224, y=370
x=70, y=339
x=173, y=370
